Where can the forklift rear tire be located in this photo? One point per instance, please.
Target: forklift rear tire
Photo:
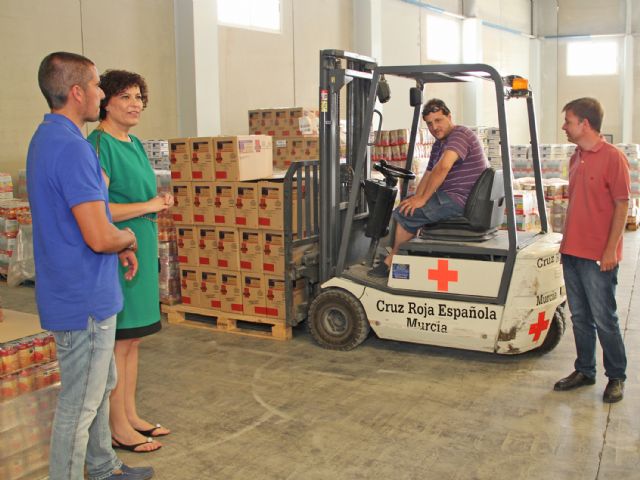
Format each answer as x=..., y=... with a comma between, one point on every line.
x=556, y=330
x=337, y=320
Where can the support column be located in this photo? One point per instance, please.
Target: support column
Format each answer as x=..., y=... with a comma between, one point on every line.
x=367, y=28
x=198, y=91
x=626, y=79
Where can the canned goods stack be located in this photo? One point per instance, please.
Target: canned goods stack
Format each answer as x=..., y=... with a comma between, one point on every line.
x=29, y=384
x=9, y=226
x=158, y=153
x=392, y=146
x=20, y=189
x=169, y=270
x=6, y=186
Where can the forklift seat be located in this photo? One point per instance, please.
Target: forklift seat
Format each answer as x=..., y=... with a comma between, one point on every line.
x=483, y=213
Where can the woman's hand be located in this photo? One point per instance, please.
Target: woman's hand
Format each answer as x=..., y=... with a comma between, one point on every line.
x=168, y=199
x=158, y=204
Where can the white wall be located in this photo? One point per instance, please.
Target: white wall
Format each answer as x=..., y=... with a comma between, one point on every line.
x=263, y=70
x=558, y=19
x=114, y=34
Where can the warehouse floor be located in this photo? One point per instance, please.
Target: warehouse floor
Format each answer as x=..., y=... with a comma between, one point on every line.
x=245, y=408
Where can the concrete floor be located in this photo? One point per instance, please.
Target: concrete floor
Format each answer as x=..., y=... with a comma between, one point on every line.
x=244, y=408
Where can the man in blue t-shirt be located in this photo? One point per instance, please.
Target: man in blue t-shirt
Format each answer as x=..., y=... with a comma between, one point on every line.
x=457, y=160
x=76, y=250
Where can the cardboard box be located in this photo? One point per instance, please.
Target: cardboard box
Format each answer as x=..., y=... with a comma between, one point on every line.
x=271, y=206
x=253, y=294
x=225, y=204
x=187, y=245
x=190, y=285
x=273, y=252
x=202, y=159
x=251, y=247
x=281, y=119
x=281, y=153
x=276, y=299
x=267, y=119
x=246, y=201
x=182, y=210
x=210, y=289
x=228, y=246
x=203, y=203
x=207, y=246
x=243, y=157
x=230, y=291
x=255, y=120
x=180, y=159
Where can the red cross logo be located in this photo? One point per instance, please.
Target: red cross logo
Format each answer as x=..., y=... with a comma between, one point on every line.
x=443, y=275
x=540, y=326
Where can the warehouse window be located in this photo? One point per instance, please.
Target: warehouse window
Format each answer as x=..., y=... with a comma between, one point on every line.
x=443, y=39
x=592, y=57
x=253, y=14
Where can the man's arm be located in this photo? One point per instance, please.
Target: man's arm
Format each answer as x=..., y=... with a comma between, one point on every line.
x=609, y=259
x=431, y=183
x=98, y=233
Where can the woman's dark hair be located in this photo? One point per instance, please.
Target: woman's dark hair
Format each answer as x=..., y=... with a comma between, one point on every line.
x=113, y=82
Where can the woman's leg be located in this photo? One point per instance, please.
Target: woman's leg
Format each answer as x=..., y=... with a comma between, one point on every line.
x=130, y=393
x=121, y=430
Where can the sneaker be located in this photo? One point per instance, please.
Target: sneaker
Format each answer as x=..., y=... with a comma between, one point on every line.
x=131, y=473
x=614, y=391
x=379, y=271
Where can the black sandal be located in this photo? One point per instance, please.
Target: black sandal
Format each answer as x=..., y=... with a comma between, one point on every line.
x=132, y=448
x=149, y=433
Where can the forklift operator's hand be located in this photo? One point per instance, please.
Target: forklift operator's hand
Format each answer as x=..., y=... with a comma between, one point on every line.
x=409, y=205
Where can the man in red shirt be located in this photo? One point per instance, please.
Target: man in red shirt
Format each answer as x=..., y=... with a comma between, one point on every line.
x=592, y=247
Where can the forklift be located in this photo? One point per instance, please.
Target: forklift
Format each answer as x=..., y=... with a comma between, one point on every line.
x=462, y=283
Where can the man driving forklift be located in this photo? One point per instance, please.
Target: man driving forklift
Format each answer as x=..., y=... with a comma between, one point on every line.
x=457, y=159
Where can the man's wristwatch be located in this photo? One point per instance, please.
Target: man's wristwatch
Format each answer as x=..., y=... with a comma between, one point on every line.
x=134, y=245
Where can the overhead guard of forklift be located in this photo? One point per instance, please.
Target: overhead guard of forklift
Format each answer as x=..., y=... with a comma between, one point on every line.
x=483, y=212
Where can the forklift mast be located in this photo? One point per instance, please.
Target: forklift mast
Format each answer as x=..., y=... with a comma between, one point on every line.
x=352, y=72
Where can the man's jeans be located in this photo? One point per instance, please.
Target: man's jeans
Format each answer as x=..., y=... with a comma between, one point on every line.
x=592, y=300
x=81, y=424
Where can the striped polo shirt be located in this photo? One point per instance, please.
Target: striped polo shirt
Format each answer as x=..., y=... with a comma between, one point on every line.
x=466, y=169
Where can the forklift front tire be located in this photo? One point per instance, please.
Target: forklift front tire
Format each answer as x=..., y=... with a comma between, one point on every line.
x=556, y=330
x=337, y=320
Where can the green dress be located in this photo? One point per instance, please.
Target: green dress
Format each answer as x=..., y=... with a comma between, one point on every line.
x=131, y=180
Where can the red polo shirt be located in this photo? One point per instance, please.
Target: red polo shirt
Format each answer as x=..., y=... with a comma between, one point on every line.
x=597, y=179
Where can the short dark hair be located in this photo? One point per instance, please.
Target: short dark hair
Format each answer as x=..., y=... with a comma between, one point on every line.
x=114, y=82
x=58, y=72
x=435, y=105
x=589, y=108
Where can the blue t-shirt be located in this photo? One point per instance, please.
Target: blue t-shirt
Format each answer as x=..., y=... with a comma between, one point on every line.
x=72, y=281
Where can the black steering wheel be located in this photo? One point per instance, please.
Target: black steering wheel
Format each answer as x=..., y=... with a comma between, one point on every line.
x=393, y=171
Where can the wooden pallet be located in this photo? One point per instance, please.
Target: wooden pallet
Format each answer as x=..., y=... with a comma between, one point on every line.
x=219, y=321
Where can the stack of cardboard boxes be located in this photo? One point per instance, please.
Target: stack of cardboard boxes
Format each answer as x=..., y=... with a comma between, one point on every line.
x=294, y=131
x=230, y=228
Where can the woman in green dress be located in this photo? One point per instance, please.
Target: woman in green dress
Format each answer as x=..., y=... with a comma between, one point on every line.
x=133, y=203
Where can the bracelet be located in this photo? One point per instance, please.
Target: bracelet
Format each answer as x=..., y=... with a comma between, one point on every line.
x=134, y=245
